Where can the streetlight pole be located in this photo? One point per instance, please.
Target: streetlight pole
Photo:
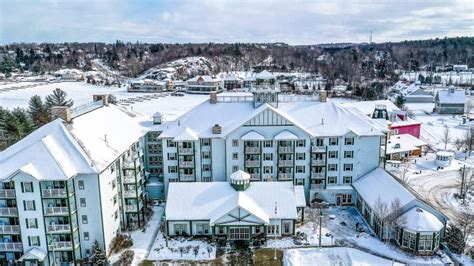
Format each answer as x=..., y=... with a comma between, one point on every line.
x=274, y=232
x=320, y=224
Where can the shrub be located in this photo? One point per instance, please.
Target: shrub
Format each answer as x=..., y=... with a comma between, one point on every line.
x=126, y=258
x=120, y=242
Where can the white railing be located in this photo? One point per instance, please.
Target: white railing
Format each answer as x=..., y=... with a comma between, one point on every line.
x=318, y=162
x=285, y=176
x=131, y=208
x=59, y=228
x=130, y=193
x=8, y=211
x=317, y=186
x=285, y=149
x=16, y=246
x=186, y=163
x=315, y=148
x=7, y=193
x=57, y=210
x=186, y=177
x=131, y=179
x=185, y=151
x=255, y=176
x=317, y=175
x=9, y=229
x=54, y=193
x=285, y=163
x=62, y=245
x=252, y=149
x=252, y=163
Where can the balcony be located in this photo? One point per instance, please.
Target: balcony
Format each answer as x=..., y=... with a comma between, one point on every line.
x=319, y=162
x=285, y=149
x=252, y=163
x=185, y=151
x=131, y=208
x=318, y=149
x=8, y=211
x=254, y=176
x=317, y=186
x=11, y=247
x=130, y=179
x=252, y=150
x=56, y=211
x=186, y=164
x=186, y=177
x=59, y=228
x=9, y=229
x=62, y=245
x=7, y=193
x=317, y=175
x=285, y=176
x=285, y=163
x=131, y=193
x=54, y=193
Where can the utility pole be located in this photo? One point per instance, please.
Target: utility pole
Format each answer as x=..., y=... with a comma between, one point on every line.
x=320, y=224
x=470, y=140
x=274, y=233
x=462, y=182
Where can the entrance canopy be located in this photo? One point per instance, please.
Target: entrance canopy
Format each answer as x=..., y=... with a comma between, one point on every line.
x=34, y=254
x=239, y=210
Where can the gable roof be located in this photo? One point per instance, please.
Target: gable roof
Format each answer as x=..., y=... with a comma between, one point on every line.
x=456, y=97
x=239, y=200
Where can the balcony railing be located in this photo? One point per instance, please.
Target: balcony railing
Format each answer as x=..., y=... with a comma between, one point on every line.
x=12, y=247
x=57, y=211
x=132, y=207
x=186, y=163
x=317, y=186
x=54, y=193
x=59, y=228
x=7, y=193
x=255, y=176
x=284, y=176
x=185, y=151
x=285, y=163
x=285, y=149
x=131, y=193
x=318, y=162
x=318, y=149
x=317, y=175
x=252, y=149
x=62, y=245
x=9, y=229
x=186, y=177
x=129, y=179
x=8, y=211
x=252, y=163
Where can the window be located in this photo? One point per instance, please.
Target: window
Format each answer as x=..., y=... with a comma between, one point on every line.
x=80, y=184
x=84, y=219
x=268, y=169
x=179, y=229
x=206, y=155
x=239, y=233
x=235, y=156
x=116, y=215
x=286, y=227
x=86, y=236
x=112, y=168
x=332, y=167
x=408, y=240
x=332, y=179
x=300, y=156
x=257, y=230
x=82, y=202
x=299, y=181
x=300, y=143
x=300, y=168
x=31, y=223
x=333, y=141
x=221, y=230
x=348, y=167
x=268, y=144
x=114, y=183
x=29, y=205
x=27, y=187
x=34, y=241
x=235, y=168
x=425, y=242
x=347, y=179
x=319, y=142
x=202, y=229
x=348, y=154
x=273, y=229
x=171, y=143
x=206, y=142
x=349, y=141
x=235, y=143
x=332, y=154
x=88, y=252
x=172, y=156
x=172, y=169
x=206, y=167
x=268, y=156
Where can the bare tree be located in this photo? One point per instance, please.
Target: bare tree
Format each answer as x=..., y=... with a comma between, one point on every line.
x=446, y=137
x=459, y=143
x=469, y=107
x=466, y=182
x=402, y=172
x=465, y=221
x=389, y=216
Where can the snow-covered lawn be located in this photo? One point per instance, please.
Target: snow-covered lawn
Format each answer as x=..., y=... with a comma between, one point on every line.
x=333, y=256
x=181, y=249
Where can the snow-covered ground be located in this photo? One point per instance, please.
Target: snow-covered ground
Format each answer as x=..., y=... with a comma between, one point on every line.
x=181, y=249
x=333, y=256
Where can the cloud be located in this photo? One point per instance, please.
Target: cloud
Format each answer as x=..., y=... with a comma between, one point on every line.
x=291, y=21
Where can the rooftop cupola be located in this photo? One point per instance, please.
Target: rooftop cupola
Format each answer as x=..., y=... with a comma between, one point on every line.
x=240, y=180
x=265, y=90
x=157, y=118
x=380, y=112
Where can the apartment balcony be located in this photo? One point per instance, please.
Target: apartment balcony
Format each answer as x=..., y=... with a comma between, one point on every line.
x=252, y=150
x=62, y=245
x=186, y=177
x=7, y=193
x=318, y=162
x=132, y=193
x=8, y=211
x=254, y=176
x=56, y=211
x=285, y=176
x=129, y=164
x=9, y=229
x=317, y=175
x=54, y=193
x=11, y=247
x=130, y=179
x=133, y=207
x=252, y=163
x=285, y=149
x=285, y=163
x=318, y=149
x=317, y=186
x=186, y=164
x=59, y=228
x=185, y=151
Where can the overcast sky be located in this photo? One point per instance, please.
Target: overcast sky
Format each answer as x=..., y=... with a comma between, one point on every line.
x=293, y=22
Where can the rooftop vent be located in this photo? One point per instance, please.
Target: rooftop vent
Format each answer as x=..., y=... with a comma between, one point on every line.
x=216, y=129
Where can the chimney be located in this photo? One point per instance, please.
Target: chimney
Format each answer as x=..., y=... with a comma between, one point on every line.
x=63, y=112
x=323, y=95
x=213, y=98
x=216, y=129
x=105, y=98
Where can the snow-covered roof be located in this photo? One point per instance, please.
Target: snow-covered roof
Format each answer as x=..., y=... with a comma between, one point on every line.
x=231, y=77
x=252, y=135
x=378, y=184
x=264, y=75
x=249, y=78
x=406, y=142
x=419, y=220
x=448, y=96
x=33, y=254
x=300, y=197
x=240, y=175
x=368, y=107
x=286, y=135
x=208, y=200
x=203, y=79
x=186, y=135
x=445, y=153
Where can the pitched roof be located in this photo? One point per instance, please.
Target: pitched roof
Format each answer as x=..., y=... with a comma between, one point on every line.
x=406, y=142
x=286, y=135
x=420, y=220
x=456, y=97
x=252, y=135
x=264, y=75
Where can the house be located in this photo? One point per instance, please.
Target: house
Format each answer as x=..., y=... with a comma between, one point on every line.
x=148, y=85
x=69, y=74
x=59, y=186
x=416, y=94
x=232, y=82
x=403, y=146
x=235, y=210
x=249, y=82
x=450, y=101
x=459, y=68
x=265, y=78
x=444, y=158
x=417, y=226
x=204, y=85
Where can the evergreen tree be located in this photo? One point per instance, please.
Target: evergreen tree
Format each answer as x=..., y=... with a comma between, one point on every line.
x=98, y=256
x=58, y=98
x=14, y=125
x=454, y=239
x=38, y=111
